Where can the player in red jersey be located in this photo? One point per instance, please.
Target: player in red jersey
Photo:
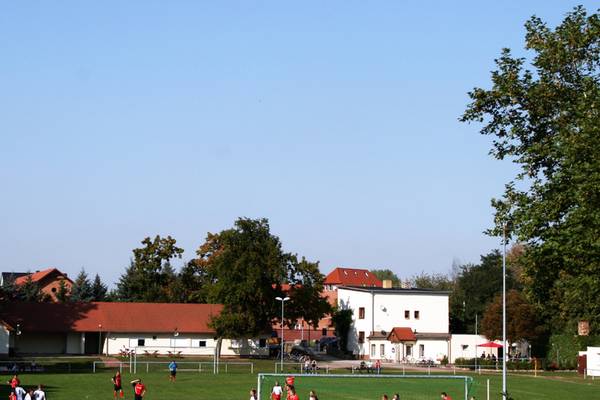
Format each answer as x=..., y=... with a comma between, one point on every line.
x=292, y=395
x=14, y=382
x=139, y=389
x=116, y=380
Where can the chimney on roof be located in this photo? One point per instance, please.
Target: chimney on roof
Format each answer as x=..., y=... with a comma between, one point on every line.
x=387, y=283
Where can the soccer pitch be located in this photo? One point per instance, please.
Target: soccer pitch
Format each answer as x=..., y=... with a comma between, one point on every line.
x=193, y=385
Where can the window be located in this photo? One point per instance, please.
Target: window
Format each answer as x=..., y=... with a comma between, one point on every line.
x=408, y=350
x=361, y=337
x=361, y=313
x=421, y=350
x=202, y=343
x=372, y=350
x=406, y=314
x=382, y=349
x=417, y=314
x=324, y=332
x=262, y=342
x=141, y=342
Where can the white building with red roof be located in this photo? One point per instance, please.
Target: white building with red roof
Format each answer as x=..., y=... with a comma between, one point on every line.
x=110, y=328
x=397, y=324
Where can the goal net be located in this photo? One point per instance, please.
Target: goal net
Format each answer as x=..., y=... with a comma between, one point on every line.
x=359, y=387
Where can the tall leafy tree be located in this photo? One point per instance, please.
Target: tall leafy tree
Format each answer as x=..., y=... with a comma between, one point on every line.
x=342, y=322
x=244, y=268
x=150, y=276
x=191, y=282
x=475, y=287
x=543, y=115
x=522, y=321
x=81, y=291
x=306, y=301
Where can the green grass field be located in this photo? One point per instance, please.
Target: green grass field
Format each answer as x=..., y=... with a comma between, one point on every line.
x=237, y=383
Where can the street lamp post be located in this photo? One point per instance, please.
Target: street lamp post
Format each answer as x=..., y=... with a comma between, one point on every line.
x=282, y=300
x=504, y=394
x=100, y=339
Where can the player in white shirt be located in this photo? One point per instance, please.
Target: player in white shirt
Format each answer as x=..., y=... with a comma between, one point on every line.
x=276, y=392
x=39, y=394
x=20, y=393
x=29, y=395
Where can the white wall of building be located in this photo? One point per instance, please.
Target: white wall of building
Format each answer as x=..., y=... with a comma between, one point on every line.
x=465, y=346
x=593, y=361
x=187, y=344
x=385, y=309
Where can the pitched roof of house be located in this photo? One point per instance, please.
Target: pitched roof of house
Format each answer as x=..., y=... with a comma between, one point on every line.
x=352, y=277
x=401, y=334
x=39, y=275
x=110, y=317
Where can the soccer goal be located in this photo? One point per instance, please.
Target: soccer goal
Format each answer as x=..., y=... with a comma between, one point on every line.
x=360, y=387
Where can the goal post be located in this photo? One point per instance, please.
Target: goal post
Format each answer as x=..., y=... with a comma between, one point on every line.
x=371, y=386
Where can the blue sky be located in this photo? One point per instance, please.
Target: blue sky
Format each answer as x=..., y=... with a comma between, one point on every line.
x=335, y=120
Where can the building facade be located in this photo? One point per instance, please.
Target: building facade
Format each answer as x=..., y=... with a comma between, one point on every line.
x=115, y=328
x=400, y=325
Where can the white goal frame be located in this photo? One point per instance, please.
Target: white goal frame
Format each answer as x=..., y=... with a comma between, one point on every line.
x=466, y=379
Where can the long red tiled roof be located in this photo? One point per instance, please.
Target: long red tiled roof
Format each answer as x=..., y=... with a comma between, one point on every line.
x=113, y=317
x=38, y=276
x=352, y=277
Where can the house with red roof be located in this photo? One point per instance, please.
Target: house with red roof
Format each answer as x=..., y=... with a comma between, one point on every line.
x=397, y=324
x=48, y=280
x=113, y=328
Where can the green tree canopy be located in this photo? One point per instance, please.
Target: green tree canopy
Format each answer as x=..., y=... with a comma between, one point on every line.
x=432, y=281
x=521, y=319
x=476, y=286
x=383, y=274
x=99, y=289
x=543, y=115
x=244, y=268
x=81, y=291
x=150, y=276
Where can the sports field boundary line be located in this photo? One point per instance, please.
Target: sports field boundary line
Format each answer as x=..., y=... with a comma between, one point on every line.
x=467, y=379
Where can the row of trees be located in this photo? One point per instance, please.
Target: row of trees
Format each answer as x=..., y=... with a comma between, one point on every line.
x=244, y=268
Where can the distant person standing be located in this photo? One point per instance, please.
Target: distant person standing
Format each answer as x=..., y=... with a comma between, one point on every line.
x=276, y=391
x=117, y=385
x=445, y=396
x=173, y=371
x=139, y=389
x=39, y=394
